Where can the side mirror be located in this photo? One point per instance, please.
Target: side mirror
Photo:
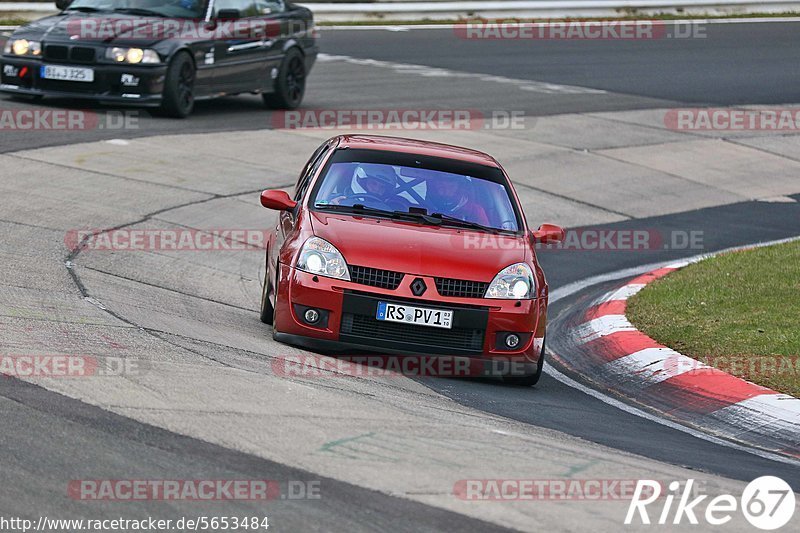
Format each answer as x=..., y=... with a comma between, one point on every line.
x=278, y=200
x=63, y=4
x=549, y=233
x=229, y=14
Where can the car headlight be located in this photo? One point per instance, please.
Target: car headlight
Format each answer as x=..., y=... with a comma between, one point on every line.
x=318, y=256
x=132, y=55
x=515, y=282
x=22, y=47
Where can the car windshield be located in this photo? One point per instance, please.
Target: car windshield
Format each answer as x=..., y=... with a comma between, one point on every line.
x=451, y=196
x=166, y=8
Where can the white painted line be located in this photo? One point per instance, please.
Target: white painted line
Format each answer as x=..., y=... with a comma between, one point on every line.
x=434, y=72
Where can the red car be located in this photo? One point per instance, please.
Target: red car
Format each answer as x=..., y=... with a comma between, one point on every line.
x=402, y=246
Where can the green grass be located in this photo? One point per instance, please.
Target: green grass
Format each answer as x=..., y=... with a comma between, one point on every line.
x=12, y=22
x=739, y=312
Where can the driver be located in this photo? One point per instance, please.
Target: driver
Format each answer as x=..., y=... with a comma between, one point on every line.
x=450, y=196
x=380, y=183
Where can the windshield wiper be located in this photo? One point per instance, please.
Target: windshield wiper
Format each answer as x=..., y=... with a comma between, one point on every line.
x=138, y=11
x=361, y=208
x=465, y=223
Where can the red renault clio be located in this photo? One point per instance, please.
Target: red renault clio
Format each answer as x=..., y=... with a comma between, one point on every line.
x=402, y=246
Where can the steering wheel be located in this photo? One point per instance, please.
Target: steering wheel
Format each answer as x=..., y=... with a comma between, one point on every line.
x=363, y=196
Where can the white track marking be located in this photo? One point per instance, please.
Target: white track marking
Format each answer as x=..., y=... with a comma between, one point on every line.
x=434, y=72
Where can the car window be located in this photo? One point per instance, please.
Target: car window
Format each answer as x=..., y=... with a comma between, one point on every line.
x=310, y=170
x=266, y=7
x=246, y=8
x=396, y=187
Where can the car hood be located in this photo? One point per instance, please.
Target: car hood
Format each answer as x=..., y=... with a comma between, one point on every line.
x=418, y=249
x=75, y=28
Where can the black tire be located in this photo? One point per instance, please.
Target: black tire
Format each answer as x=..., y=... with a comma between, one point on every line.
x=267, y=310
x=178, y=96
x=531, y=379
x=290, y=85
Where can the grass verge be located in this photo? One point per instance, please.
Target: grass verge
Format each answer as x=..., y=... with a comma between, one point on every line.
x=12, y=22
x=739, y=312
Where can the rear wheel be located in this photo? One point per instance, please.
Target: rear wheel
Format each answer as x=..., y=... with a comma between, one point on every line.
x=531, y=379
x=178, y=96
x=290, y=85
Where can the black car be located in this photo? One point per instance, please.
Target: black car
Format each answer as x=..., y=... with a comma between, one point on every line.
x=165, y=53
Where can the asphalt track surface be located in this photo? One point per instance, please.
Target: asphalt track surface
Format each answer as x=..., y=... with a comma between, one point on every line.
x=46, y=434
x=734, y=64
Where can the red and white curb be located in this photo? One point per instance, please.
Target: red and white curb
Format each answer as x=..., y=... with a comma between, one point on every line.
x=630, y=363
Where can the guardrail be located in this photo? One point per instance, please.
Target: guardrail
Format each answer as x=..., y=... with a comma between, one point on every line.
x=541, y=9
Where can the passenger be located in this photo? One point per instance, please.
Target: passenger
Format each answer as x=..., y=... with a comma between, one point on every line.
x=450, y=195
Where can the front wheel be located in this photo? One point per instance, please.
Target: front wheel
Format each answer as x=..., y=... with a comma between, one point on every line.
x=178, y=96
x=290, y=85
x=267, y=310
x=529, y=380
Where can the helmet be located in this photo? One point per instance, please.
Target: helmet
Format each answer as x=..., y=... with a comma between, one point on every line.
x=447, y=192
x=380, y=173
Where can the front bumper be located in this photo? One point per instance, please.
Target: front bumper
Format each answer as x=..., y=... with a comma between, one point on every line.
x=119, y=84
x=350, y=308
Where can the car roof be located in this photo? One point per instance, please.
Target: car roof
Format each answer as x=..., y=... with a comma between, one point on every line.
x=415, y=146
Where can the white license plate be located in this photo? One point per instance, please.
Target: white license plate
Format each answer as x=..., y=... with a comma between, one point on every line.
x=409, y=314
x=56, y=72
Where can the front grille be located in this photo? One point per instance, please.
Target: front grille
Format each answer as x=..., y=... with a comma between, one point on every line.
x=461, y=288
x=82, y=54
x=455, y=338
x=56, y=52
x=77, y=54
x=374, y=277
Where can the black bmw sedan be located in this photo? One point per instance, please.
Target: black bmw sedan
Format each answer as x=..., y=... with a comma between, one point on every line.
x=163, y=53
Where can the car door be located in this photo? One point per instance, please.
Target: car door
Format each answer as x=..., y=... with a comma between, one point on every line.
x=281, y=25
x=242, y=47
